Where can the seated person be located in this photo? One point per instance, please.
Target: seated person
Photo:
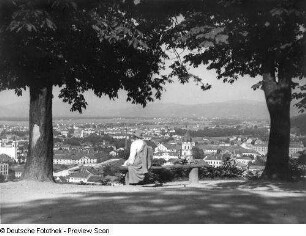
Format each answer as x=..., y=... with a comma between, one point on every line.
x=139, y=160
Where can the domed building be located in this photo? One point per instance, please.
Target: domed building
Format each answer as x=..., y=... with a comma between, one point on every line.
x=187, y=146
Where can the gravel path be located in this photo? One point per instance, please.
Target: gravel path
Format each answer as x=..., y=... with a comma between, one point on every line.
x=211, y=201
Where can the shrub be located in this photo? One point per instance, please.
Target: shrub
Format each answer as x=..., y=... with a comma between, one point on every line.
x=158, y=175
x=296, y=170
x=111, y=180
x=252, y=175
x=158, y=162
x=302, y=158
x=73, y=142
x=109, y=170
x=11, y=175
x=230, y=171
x=172, y=160
x=113, y=169
x=2, y=178
x=179, y=173
x=182, y=174
x=121, y=178
x=226, y=171
x=180, y=162
x=106, y=182
x=151, y=178
x=124, y=154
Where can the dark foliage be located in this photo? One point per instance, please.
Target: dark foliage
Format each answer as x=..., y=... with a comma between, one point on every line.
x=182, y=174
x=2, y=178
x=94, y=139
x=102, y=156
x=21, y=134
x=11, y=175
x=180, y=162
x=123, y=154
x=299, y=122
x=296, y=169
x=302, y=158
x=158, y=176
x=57, y=140
x=228, y=171
x=158, y=162
x=73, y=141
x=197, y=153
x=79, y=47
x=113, y=169
x=219, y=132
x=260, y=161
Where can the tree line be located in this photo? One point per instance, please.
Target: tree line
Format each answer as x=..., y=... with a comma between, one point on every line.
x=261, y=133
x=95, y=140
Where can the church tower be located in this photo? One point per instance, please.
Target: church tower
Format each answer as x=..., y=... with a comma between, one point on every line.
x=187, y=146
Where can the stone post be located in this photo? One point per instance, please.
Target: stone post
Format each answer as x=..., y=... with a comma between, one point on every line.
x=194, y=176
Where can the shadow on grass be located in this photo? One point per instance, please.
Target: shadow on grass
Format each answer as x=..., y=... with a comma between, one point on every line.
x=294, y=187
x=171, y=205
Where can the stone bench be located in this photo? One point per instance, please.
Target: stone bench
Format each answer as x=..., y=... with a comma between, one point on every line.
x=193, y=174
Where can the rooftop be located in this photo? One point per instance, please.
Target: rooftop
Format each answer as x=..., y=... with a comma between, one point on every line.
x=81, y=174
x=243, y=158
x=214, y=158
x=74, y=156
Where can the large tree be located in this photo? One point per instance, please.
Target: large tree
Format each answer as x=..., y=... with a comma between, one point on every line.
x=78, y=46
x=252, y=38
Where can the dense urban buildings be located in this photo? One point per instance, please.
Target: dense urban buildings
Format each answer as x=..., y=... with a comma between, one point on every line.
x=82, y=148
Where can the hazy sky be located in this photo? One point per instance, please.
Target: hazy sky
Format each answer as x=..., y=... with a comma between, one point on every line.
x=177, y=93
x=192, y=94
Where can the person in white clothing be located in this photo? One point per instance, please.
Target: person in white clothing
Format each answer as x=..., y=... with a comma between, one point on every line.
x=139, y=161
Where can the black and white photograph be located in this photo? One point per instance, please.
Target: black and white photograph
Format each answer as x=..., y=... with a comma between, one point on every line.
x=150, y=113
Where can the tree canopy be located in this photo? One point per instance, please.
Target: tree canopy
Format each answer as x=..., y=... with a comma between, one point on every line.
x=79, y=46
x=238, y=38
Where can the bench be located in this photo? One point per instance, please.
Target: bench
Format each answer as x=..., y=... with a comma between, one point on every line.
x=193, y=174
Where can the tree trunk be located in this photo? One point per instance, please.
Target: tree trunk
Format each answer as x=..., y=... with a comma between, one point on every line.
x=39, y=164
x=278, y=98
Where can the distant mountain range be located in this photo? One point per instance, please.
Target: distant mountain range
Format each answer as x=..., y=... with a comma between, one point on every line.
x=230, y=109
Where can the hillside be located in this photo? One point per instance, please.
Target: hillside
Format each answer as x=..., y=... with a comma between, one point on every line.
x=246, y=109
x=230, y=109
